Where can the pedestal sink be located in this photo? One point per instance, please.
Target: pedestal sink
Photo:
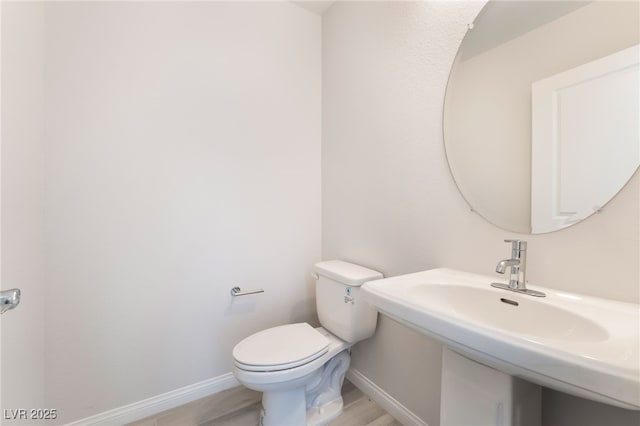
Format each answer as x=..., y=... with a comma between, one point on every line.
x=585, y=346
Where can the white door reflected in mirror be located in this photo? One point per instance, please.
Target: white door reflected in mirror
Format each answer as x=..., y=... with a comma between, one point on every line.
x=575, y=170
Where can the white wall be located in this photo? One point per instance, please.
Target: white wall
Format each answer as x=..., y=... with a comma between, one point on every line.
x=182, y=158
x=389, y=201
x=22, y=206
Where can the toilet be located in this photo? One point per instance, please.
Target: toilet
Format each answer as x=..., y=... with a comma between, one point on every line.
x=300, y=369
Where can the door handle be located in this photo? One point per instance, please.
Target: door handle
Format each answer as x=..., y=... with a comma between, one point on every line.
x=9, y=299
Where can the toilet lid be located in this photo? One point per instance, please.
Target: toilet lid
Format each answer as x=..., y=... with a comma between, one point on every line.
x=280, y=348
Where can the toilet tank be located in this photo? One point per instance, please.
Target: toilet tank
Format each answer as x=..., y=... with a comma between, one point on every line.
x=341, y=307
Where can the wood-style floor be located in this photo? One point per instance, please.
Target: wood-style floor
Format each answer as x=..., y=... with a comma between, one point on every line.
x=241, y=407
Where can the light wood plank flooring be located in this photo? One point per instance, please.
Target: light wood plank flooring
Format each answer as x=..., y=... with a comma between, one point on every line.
x=241, y=407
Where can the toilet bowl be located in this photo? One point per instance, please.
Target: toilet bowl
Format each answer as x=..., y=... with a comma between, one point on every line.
x=300, y=369
x=294, y=392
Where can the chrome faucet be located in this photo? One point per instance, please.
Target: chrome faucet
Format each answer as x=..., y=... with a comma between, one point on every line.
x=502, y=265
x=518, y=264
x=518, y=273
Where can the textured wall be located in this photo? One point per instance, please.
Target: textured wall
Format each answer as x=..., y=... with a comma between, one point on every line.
x=389, y=201
x=22, y=204
x=182, y=158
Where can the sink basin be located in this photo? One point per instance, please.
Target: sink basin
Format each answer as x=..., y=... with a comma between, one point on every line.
x=585, y=346
x=516, y=314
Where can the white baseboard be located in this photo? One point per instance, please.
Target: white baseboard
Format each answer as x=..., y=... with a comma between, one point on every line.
x=159, y=403
x=386, y=401
x=166, y=401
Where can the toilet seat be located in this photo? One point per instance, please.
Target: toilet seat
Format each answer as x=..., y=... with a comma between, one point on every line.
x=280, y=348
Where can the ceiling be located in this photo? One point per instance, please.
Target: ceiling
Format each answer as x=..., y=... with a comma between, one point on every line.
x=501, y=21
x=316, y=6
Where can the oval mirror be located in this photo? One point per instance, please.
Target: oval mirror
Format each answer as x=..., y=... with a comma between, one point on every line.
x=541, y=116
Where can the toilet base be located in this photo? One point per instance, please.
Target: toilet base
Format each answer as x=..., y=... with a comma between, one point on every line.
x=293, y=399
x=284, y=408
x=280, y=411
x=315, y=403
x=318, y=416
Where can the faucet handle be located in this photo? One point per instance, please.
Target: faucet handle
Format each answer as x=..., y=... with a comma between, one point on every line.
x=517, y=244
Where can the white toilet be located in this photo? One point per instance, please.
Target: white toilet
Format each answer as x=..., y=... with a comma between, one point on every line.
x=300, y=369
